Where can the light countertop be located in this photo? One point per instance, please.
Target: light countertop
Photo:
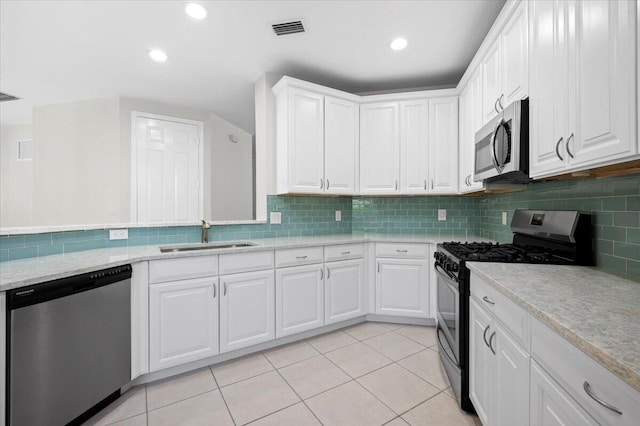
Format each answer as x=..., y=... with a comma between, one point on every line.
x=597, y=312
x=20, y=273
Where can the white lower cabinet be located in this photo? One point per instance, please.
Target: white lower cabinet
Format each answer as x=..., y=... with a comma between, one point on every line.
x=183, y=321
x=499, y=370
x=299, y=299
x=551, y=405
x=247, y=312
x=402, y=287
x=344, y=290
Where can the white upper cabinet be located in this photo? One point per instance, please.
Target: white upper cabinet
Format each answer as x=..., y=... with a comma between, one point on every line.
x=341, y=136
x=443, y=145
x=470, y=121
x=549, y=91
x=505, y=66
x=583, y=107
x=317, y=140
x=379, y=148
x=602, y=66
x=414, y=146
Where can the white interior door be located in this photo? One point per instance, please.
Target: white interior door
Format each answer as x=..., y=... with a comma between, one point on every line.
x=167, y=169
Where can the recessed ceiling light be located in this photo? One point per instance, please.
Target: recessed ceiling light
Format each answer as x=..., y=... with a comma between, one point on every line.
x=195, y=10
x=157, y=55
x=398, y=43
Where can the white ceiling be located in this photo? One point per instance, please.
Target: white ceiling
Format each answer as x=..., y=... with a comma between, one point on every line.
x=59, y=51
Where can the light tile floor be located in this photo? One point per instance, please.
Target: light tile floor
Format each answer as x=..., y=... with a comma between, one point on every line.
x=367, y=374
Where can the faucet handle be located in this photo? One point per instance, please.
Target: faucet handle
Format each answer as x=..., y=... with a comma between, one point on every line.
x=205, y=225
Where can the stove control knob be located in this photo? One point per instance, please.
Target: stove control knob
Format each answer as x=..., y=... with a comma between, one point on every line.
x=455, y=267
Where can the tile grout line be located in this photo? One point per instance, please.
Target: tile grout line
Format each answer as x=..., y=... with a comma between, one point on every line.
x=294, y=391
x=210, y=367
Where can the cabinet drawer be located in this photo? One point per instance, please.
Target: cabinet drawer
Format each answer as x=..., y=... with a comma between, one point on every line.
x=245, y=262
x=407, y=251
x=343, y=252
x=161, y=271
x=298, y=256
x=514, y=318
x=571, y=368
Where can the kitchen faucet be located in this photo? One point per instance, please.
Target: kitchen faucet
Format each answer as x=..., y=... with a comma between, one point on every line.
x=205, y=231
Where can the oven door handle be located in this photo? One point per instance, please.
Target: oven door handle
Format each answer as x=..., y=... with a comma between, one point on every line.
x=438, y=331
x=441, y=269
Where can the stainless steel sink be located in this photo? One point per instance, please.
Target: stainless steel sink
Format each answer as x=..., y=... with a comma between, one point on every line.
x=195, y=247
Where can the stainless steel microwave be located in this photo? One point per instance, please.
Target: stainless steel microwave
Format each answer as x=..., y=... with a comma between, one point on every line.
x=502, y=146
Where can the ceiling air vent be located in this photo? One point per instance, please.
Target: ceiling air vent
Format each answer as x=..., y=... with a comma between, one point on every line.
x=286, y=28
x=5, y=97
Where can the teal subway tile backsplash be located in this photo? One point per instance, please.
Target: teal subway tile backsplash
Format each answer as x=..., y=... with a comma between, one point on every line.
x=301, y=216
x=614, y=202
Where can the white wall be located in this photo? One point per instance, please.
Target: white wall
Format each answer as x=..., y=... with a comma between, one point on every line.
x=76, y=170
x=81, y=172
x=266, y=129
x=232, y=172
x=16, y=178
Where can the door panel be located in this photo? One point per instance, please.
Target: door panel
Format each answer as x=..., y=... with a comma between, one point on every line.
x=344, y=290
x=402, y=287
x=379, y=148
x=299, y=299
x=414, y=146
x=342, y=127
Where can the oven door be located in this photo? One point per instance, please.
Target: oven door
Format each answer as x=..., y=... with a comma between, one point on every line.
x=448, y=314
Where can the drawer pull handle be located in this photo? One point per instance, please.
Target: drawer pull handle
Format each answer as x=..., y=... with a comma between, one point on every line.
x=301, y=257
x=491, y=342
x=486, y=299
x=587, y=389
x=402, y=251
x=484, y=336
x=345, y=252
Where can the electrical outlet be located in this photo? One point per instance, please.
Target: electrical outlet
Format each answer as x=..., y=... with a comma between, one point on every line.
x=275, y=218
x=442, y=214
x=504, y=218
x=338, y=215
x=118, y=234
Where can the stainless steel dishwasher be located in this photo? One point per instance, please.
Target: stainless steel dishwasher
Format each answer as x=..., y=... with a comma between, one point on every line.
x=69, y=347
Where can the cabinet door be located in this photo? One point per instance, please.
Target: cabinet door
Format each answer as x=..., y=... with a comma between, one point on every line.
x=491, y=78
x=306, y=142
x=183, y=322
x=299, y=299
x=515, y=57
x=548, y=88
x=341, y=137
x=247, y=309
x=470, y=122
x=414, y=146
x=551, y=405
x=511, y=380
x=344, y=290
x=481, y=363
x=402, y=287
x=443, y=145
x=603, y=64
x=379, y=148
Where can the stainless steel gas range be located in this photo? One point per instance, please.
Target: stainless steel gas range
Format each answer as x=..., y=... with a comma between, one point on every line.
x=539, y=236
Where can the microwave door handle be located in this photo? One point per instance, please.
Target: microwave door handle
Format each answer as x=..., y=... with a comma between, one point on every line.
x=494, y=156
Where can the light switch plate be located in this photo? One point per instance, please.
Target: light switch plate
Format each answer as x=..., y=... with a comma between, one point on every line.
x=504, y=218
x=118, y=234
x=338, y=215
x=442, y=214
x=275, y=218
